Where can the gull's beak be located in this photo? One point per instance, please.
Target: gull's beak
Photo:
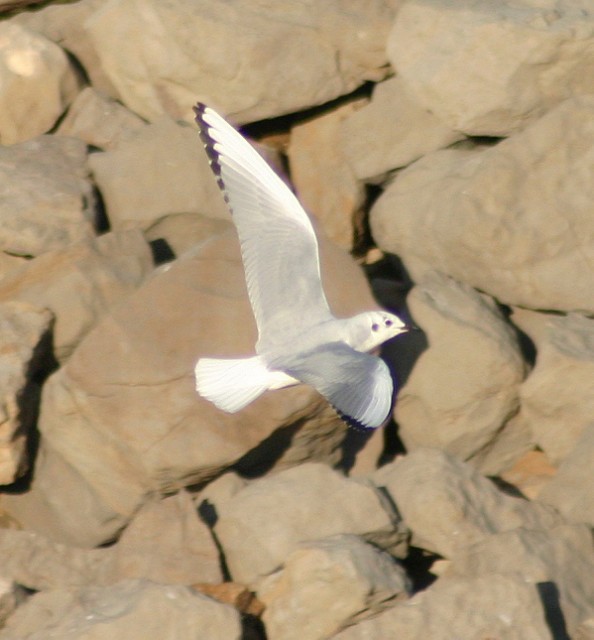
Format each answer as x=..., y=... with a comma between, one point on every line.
x=412, y=327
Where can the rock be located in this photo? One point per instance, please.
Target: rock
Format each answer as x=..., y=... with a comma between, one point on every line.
x=47, y=200
x=586, y=630
x=160, y=170
x=121, y=420
x=80, y=282
x=99, y=120
x=11, y=596
x=570, y=490
x=444, y=403
x=311, y=56
x=64, y=25
x=237, y=595
x=328, y=584
x=496, y=606
x=23, y=336
x=449, y=505
x=37, y=76
x=182, y=231
x=390, y=132
x=324, y=182
x=263, y=523
x=130, y=609
x=166, y=542
x=445, y=54
x=530, y=473
x=559, y=561
x=556, y=398
x=524, y=236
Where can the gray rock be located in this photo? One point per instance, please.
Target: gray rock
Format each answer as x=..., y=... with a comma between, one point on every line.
x=99, y=120
x=36, y=75
x=130, y=610
x=263, y=523
x=161, y=169
x=448, y=505
x=570, y=491
x=444, y=403
x=152, y=56
x=558, y=560
x=328, y=584
x=80, y=282
x=390, y=132
x=46, y=199
x=121, y=419
x=444, y=54
x=557, y=400
x=498, y=219
x=23, y=335
x=495, y=606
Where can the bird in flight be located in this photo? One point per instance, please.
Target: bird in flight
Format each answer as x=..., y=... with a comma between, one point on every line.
x=299, y=339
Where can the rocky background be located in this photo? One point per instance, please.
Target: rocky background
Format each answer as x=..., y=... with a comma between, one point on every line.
x=449, y=145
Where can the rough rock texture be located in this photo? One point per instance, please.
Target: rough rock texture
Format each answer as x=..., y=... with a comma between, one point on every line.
x=38, y=81
x=500, y=606
x=311, y=56
x=158, y=170
x=558, y=560
x=99, y=120
x=492, y=218
x=557, y=399
x=80, y=283
x=268, y=519
x=23, y=336
x=130, y=609
x=570, y=491
x=328, y=584
x=448, y=505
x=46, y=199
x=538, y=54
x=391, y=132
x=127, y=398
x=324, y=182
x=444, y=403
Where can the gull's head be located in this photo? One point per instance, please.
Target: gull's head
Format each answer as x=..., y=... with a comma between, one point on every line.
x=375, y=327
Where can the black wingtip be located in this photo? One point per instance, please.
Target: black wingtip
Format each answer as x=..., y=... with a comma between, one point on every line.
x=208, y=142
x=353, y=423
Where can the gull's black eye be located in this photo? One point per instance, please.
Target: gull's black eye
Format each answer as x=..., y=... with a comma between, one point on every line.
x=388, y=323
x=374, y=326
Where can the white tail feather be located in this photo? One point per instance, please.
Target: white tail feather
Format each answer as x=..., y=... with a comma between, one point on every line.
x=232, y=384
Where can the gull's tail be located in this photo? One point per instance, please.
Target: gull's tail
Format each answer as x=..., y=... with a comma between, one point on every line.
x=232, y=384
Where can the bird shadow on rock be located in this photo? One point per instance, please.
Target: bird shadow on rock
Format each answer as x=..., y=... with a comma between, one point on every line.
x=549, y=597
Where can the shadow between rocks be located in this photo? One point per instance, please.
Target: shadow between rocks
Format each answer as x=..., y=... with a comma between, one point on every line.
x=549, y=596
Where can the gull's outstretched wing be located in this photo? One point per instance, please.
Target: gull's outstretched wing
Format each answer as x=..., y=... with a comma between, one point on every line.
x=358, y=385
x=278, y=244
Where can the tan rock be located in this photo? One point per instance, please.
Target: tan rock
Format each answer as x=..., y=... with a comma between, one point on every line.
x=47, y=200
x=495, y=606
x=557, y=400
x=445, y=56
x=121, y=420
x=99, y=120
x=160, y=170
x=233, y=593
x=448, y=505
x=80, y=283
x=267, y=520
x=328, y=584
x=324, y=182
x=444, y=403
x=390, y=132
x=512, y=220
x=38, y=82
x=23, y=335
x=310, y=52
x=131, y=609
x=530, y=473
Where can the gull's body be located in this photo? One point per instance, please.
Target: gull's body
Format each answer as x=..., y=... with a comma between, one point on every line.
x=299, y=339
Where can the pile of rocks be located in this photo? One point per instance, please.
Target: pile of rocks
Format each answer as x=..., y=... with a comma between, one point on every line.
x=459, y=138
